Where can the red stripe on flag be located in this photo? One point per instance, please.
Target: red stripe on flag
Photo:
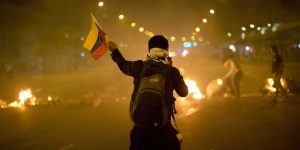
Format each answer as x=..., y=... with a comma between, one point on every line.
x=99, y=51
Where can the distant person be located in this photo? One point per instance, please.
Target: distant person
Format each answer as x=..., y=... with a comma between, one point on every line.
x=152, y=104
x=277, y=70
x=235, y=73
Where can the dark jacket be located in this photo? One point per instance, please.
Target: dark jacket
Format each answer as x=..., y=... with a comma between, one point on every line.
x=277, y=64
x=133, y=69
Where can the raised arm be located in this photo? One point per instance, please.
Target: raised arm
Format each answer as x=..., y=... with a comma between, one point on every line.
x=131, y=68
x=232, y=69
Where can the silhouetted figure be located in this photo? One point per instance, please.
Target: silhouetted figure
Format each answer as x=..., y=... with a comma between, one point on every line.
x=152, y=104
x=277, y=70
x=235, y=73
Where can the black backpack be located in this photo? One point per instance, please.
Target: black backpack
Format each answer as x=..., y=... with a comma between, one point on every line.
x=151, y=105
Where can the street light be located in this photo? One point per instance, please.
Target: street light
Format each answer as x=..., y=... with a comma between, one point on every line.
x=133, y=24
x=212, y=11
x=232, y=47
x=229, y=34
x=173, y=38
x=197, y=29
x=100, y=4
x=244, y=29
x=121, y=17
x=200, y=39
x=258, y=28
x=247, y=48
x=141, y=29
x=269, y=24
x=193, y=38
x=252, y=26
x=204, y=20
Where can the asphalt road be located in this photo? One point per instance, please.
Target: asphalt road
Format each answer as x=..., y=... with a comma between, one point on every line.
x=250, y=123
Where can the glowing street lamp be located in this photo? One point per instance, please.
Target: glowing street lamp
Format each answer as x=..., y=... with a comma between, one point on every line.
x=200, y=39
x=197, y=29
x=121, y=17
x=100, y=4
x=204, y=20
x=232, y=47
x=244, y=29
x=184, y=53
x=141, y=29
x=247, y=48
x=193, y=38
x=211, y=11
x=173, y=38
x=229, y=34
x=252, y=26
x=269, y=24
x=133, y=24
x=258, y=28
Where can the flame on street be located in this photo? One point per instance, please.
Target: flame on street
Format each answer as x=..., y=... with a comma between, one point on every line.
x=190, y=104
x=213, y=87
x=193, y=89
x=270, y=84
x=25, y=98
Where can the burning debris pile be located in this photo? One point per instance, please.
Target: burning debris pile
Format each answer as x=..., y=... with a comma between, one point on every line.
x=194, y=90
x=291, y=85
x=216, y=88
x=269, y=85
x=190, y=104
x=25, y=99
x=2, y=104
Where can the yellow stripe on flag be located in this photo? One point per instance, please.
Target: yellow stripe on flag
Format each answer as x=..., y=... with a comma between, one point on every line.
x=92, y=36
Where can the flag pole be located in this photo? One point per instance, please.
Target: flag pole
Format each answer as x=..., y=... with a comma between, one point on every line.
x=95, y=20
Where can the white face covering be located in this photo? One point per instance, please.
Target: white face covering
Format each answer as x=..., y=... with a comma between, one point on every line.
x=158, y=55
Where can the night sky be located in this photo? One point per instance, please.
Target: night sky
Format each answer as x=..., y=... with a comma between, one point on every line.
x=49, y=23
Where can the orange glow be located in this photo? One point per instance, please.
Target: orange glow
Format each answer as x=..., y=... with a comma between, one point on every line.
x=25, y=98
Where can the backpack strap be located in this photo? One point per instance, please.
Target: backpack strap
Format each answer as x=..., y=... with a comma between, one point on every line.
x=146, y=65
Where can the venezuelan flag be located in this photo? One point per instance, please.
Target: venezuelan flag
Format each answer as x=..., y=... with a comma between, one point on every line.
x=95, y=41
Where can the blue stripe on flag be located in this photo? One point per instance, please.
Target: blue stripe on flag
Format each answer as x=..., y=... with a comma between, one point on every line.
x=98, y=42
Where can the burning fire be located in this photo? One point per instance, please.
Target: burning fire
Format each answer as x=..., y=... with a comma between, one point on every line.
x=49, y=98
x=190, y=104
x=25, y=98
x=219, y=82
x=214, y=87
x=270, y=84
x=194, y=89
x=2, y=104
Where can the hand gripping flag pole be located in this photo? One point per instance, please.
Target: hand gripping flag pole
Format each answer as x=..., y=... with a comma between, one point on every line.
x=96, y=40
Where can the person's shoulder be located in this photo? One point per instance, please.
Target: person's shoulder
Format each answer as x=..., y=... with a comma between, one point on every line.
x=139, y=62
x=174, y=70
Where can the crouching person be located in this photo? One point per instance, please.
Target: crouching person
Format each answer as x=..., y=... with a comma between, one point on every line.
x=152, y=104
x=235, y=73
